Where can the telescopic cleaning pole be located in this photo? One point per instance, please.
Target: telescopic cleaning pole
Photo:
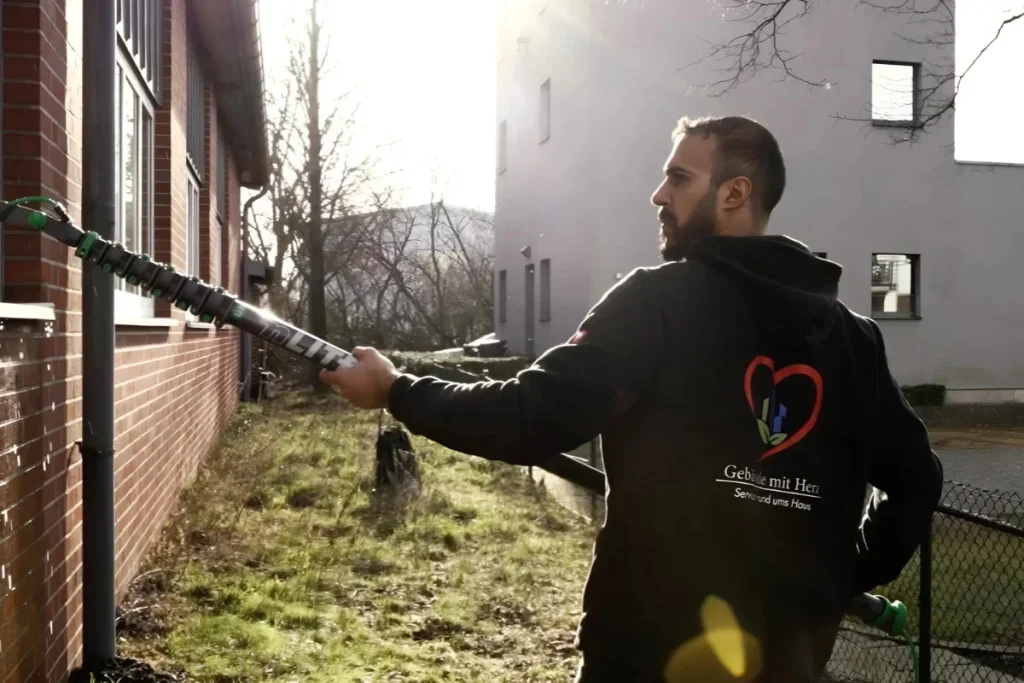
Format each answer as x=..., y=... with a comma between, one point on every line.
x=217, y=306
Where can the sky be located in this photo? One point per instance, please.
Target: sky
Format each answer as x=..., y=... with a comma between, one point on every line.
x=991, y=96
x=423, y=75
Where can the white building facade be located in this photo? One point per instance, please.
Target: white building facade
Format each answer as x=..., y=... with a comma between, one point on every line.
x=589, y=92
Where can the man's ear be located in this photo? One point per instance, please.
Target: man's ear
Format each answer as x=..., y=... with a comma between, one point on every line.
x=735, y=192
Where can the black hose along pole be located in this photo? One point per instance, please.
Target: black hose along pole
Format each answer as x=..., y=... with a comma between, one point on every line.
x=98, y=192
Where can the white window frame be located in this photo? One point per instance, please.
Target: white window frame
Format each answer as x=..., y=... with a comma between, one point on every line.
x=502, y=147
x=545, y=111
x=216, y=276
x=545, y=291
x=192, y=231
x=129, y=302
x=502, y=296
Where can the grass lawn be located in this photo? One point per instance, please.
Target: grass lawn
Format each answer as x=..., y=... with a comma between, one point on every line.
x=279, y=567
x=977, y=584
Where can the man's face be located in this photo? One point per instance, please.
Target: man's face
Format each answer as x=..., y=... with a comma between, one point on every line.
x=688, y=203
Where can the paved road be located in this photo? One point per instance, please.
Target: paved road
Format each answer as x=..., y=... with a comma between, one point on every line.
x=996, y=468
x=868, y=660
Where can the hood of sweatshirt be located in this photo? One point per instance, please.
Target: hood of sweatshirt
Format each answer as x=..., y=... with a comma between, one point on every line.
x=795, y=293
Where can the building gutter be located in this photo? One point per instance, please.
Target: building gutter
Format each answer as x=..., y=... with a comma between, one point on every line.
x=257, y=172
x=230, y=33
x=98, y=340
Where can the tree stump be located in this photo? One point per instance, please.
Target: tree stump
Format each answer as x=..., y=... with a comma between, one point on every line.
x=398, y=471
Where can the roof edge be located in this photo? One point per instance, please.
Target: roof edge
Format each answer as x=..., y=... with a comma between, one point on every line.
x=257, y=172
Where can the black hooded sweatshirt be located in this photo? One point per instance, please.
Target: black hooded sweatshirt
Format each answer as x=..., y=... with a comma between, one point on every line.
x=743, y=410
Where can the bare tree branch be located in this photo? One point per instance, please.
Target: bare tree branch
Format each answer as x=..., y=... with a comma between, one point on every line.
x=760, y=46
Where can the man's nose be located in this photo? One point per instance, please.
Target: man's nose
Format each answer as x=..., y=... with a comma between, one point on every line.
x=658, y=198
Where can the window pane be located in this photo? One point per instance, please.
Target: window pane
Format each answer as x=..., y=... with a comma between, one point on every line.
x=892, y=284
x=192, y=231
x=892, y=92
x=215, y=237
x=146, y=221
x=119, y=155
x=129, y=164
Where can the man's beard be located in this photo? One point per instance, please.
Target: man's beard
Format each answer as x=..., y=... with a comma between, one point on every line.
x=677, y=240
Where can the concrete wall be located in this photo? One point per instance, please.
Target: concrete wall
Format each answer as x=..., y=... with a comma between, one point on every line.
x=582, y=198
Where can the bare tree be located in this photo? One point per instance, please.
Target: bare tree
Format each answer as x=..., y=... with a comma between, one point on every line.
x=317, y=178
x=761, y=45
x=314, y=240
x=275, y=212
x=436, y=263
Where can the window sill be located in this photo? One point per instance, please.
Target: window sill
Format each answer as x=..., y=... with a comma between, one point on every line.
x=894, y=316
x=145, y=322
x=196, y=325
x=39, y=311
x=894, y=123
x=971, y=162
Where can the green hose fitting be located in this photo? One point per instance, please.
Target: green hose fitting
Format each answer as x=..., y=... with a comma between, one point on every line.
x=182, y=304
x=36, y=219
x=85, y=246
x=893, y=620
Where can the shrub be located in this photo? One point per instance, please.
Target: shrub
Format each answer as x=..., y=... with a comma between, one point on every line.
x=925, y=394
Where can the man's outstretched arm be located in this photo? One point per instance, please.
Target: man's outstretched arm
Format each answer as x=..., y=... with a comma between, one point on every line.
x=566, y=398
x=908, y=475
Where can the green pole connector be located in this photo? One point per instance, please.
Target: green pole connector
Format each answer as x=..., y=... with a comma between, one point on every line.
x=133, y=280
x=86, y=246
x=157, y=293
x=37, y=220
x=206, y=318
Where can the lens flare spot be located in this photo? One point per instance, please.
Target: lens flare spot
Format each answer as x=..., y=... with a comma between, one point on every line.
x=724, y=634
x=723, y=652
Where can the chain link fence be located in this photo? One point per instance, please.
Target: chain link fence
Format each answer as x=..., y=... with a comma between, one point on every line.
x=965, y=593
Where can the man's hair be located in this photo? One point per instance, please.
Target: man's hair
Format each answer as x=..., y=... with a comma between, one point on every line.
x=745, y=148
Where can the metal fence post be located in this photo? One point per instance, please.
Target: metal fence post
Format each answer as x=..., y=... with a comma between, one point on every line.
x=925, y=600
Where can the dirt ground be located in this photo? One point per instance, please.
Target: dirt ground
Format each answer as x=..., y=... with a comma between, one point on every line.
x=977, y=438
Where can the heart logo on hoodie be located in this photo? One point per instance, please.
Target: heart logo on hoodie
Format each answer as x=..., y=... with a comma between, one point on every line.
x=771, y=414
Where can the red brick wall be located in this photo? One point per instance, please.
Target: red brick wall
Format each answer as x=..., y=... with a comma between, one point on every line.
x=175, y=387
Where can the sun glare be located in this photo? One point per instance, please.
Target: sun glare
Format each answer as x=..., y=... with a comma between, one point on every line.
x=422, y=75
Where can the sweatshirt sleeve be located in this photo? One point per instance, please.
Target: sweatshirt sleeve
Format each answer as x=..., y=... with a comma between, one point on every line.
x=907, y=476
x=567, y=397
